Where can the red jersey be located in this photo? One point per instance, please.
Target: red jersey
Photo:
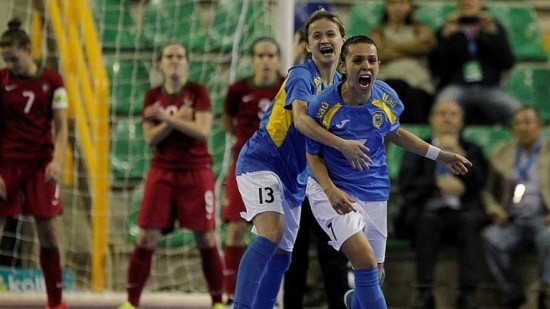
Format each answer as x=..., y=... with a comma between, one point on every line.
x=179, y=151
x=26, y=113
x=247, y=104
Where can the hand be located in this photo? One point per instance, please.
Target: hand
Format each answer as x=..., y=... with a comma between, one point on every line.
x=3, y=193
x=500, y=218
x=155, y=112
x=451, y=26
x=355, y=153
x=455, y=163
x=340, y=201
x=185, y=112
x=53, y=170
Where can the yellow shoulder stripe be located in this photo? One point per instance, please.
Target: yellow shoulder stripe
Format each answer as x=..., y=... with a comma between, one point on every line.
x=386, y=109
x=330, y=114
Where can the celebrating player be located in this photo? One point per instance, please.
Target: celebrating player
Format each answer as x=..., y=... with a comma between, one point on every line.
x=350, y=204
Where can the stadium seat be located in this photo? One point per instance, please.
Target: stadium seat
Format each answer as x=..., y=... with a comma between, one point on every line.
x=226, y=21
x=168, y=20
x=486, y=136
x=130, y=155
x=116, y=26
x=363, y=16
x=129, y=80
x=523, y=30
x=175, y=239
x=530, y=85
x=434, y=14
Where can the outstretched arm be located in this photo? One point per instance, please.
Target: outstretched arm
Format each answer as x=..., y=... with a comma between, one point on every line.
x=456, y=163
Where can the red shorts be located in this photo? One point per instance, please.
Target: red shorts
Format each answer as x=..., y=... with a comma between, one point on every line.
x=29, y=193
x=187, y=196
x=233, y=203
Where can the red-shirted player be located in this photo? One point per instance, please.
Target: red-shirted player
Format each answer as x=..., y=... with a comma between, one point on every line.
x=177, y=119
x=31, y=156
x=244, y=106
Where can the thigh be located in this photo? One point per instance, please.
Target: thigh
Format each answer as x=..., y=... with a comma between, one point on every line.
x=505, y=237
x=337, y=227
x=42, y=199
x=233, y=203
x=261, y=192
x=13, y=180
x=375, y=215
x=156, y=206
x=195, y=199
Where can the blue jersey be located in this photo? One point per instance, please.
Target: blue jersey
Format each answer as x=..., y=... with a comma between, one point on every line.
x=277, y=145
x=368, y=123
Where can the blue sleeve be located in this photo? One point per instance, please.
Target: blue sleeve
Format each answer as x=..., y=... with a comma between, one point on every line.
x=398, y=108
x=298, y=86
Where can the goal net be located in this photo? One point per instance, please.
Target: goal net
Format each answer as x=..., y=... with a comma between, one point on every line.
x=218, y=34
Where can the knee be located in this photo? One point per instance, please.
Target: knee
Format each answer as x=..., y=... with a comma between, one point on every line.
x=206, y=239
x=148, y=239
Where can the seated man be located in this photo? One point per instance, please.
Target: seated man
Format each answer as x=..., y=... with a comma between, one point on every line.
x=443, y=207
x=517, y=198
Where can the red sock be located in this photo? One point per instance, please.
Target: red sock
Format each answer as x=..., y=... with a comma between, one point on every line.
x=138, y=272
x=212, y=267
x=51, y=268
x=233, y=255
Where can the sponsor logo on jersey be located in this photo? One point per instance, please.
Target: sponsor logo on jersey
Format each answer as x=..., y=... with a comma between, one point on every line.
x=10, y=87
x=341, y=124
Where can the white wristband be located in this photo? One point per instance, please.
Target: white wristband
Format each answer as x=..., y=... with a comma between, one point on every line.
x=432, y=152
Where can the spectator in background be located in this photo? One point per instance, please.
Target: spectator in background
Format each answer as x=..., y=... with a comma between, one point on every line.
x=442, y=207
x=472, y=55
x=517, y=198
x=403, y=48
x=177, y=118
x=243, y=108
x=33, y=137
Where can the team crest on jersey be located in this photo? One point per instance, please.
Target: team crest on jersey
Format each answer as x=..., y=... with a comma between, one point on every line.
x=378, y=119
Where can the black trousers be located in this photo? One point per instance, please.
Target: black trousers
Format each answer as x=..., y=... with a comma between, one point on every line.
x=443, y=227
x=333, y=265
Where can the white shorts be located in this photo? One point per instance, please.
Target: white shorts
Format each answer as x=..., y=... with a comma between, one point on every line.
x=370, y=217
x=263, y=191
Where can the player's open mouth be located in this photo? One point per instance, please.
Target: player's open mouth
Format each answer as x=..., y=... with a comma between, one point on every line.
x=327, y=50
x=365, y=80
